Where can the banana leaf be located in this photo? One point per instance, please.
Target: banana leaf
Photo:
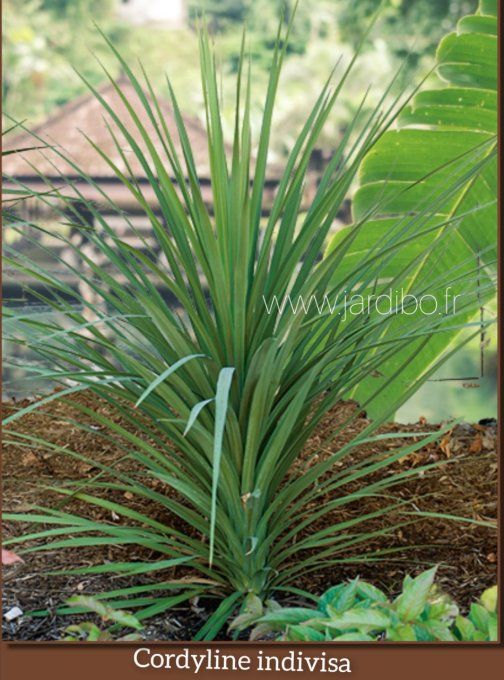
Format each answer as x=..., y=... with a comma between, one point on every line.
x=442, y=132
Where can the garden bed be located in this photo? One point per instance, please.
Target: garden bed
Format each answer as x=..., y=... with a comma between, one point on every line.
x=465, y=486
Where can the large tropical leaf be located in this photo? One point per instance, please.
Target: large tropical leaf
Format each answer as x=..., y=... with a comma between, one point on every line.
x=441, y=133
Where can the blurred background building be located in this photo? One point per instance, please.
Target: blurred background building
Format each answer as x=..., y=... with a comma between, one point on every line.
x=166, y=13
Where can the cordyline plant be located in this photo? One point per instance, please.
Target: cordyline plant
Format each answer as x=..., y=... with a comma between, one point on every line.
x=220, y=399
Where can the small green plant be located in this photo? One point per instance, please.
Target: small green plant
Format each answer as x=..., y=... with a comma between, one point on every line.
x=89, y=631
x=481, y=624
x=359, y=611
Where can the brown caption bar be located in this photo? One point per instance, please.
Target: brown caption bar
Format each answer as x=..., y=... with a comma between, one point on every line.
x=97, y=662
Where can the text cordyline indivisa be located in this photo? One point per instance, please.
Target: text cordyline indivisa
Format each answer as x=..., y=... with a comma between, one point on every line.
x=216, y=660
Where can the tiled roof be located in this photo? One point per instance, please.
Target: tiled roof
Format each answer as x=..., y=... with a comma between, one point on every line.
x=86, y=114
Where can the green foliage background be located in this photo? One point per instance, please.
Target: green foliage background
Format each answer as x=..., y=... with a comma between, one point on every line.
x=42, y=38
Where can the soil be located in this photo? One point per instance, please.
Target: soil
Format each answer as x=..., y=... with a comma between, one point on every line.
x=465, y=486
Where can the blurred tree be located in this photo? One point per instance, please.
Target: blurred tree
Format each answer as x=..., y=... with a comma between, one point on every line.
x=221, y=13
x=42, y=39
x=431, y=19
x=412, y=28
x=67, y=8
x=261, y=16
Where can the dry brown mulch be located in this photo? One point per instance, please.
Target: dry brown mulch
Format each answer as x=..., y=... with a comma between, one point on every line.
x=465, y=486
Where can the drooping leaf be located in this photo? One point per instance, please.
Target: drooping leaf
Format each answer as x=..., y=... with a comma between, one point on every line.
x=106, y=612
x=166, y=374
x=221, y=405
x=195, y=411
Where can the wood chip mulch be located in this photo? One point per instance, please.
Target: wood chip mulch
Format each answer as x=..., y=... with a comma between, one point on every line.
x=465, y=486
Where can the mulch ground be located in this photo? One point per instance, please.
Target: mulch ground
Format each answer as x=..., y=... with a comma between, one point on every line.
x=465, y=486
